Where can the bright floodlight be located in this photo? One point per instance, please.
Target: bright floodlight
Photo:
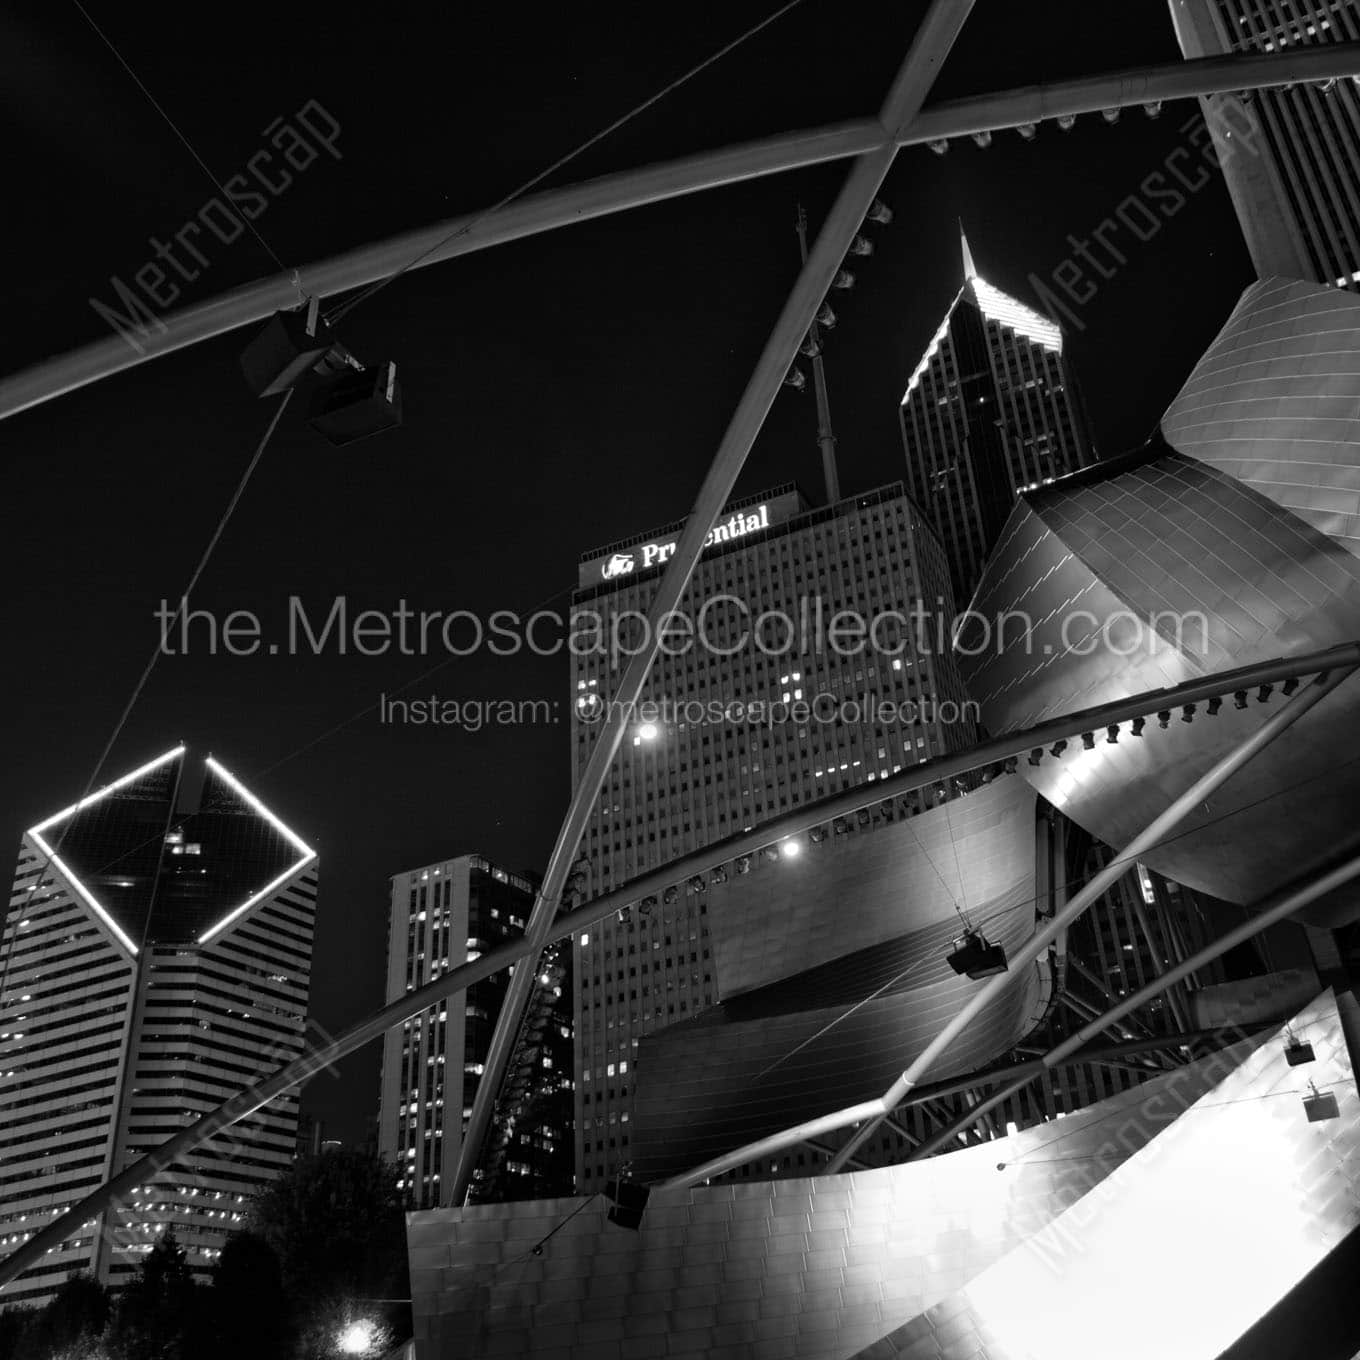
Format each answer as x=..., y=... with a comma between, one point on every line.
x=648, y=732
x=789, y=849
x=358, y=1338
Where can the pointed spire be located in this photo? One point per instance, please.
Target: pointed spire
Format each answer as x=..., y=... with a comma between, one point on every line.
x=969, y=268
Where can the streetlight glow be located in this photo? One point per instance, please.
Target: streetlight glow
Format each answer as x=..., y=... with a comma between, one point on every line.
x=358, y=1337
x=790, y=849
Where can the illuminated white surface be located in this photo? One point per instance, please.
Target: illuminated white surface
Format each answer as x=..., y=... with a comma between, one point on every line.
x=1208, y=1226
x=995, y=306
x=59, y=864
x=88, y=801
x=304, y=850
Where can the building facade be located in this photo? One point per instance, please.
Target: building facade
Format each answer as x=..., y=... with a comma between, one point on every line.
x=157, y=960
x=991, y=407
x=432, y=1064
x=1291, y=157
x=760, y=710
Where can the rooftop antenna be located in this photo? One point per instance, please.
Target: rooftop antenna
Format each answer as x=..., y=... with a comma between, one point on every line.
x=812, y=347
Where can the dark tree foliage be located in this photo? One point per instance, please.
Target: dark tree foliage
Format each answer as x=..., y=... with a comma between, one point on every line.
x=157, y=1315
x=70, y=1324
x=337, y=1225
x=246, y=1312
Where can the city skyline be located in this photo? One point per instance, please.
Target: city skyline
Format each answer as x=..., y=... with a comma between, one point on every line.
x=691, y=257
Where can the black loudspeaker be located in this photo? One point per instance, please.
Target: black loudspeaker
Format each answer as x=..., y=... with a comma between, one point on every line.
x=287, y=346
x=1318, y=1107
x=357, y=403
x=974, y=956
x=628, y=1200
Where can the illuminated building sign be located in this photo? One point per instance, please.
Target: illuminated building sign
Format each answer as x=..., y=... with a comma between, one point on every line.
x=750, y=519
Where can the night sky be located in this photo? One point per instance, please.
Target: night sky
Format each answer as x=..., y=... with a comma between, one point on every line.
x=559, y=393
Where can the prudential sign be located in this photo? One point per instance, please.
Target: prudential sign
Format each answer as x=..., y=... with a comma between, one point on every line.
x=653, y=554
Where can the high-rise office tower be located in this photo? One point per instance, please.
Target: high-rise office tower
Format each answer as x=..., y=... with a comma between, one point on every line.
x=991, y=407
x=433, y=1063
x=157, y=960
x=1291, y=157
x=749, y=716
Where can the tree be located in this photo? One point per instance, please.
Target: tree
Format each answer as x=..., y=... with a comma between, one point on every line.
x=246, y=1312
x=337, y=1225
x=157, y=1314
x=67, y=1327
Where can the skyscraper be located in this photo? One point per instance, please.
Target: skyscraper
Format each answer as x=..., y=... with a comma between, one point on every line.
x=759, y=710
x=157, y=960
x=433, y=1063
x=1291, y=157
x=991, y=407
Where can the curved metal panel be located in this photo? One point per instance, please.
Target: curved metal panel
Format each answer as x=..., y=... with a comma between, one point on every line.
x=834, y=976
x=1153, y=570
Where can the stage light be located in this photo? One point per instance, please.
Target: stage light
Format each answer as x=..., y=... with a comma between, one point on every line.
x=1153, y=108
x=718, y=875
x=1067, y=122
x=1163, y=718
x=770, y=853
x=982, y=139
x=817, y=835
x=284, y=349
x=1009, y=764
x=697, y=884
x=670, y=896
x=1212, y=707
x=1263, y=694
x=843, y=280
x=879, y=213
x=1187, y=712
x=861, y=246
x=810, y=347
x=1088, y=741
x=1289, y=686
x=939, y=146
x=357, y=403
x=865, y=816
x=743, y=863
x=826, y=318
x=1296, y=1052
x=628, y=1202
x=794, y=378
x=973, y=956
x=1320, y=1105
x=1112, y=734
x=790, y=849
x=1036, y=755
x=840, y=826
x=1110, y=115
x=1239, y=698
x=1136, y=727
x=1028, y=131
x=649, y=731
x=1058, y=747
x=646, y=905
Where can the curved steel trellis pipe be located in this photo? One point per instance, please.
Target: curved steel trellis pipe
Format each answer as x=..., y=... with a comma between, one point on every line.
x=151, y=336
